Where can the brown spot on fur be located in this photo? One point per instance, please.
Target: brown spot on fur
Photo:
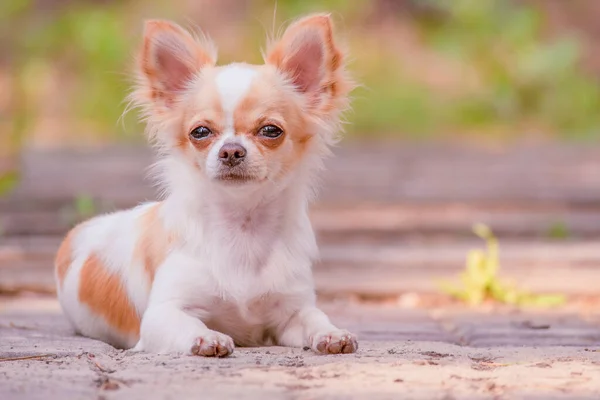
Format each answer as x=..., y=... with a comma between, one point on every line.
x=265, y=106
x=154, y=243
x=103, y=292
x=64, y=256
x=204, y=109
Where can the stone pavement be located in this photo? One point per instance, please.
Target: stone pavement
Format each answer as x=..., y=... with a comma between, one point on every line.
x=404, y=353
x=391, y=222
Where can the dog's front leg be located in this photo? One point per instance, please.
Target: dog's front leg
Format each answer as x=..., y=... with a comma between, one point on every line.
x=166, y=328
x=310, y=327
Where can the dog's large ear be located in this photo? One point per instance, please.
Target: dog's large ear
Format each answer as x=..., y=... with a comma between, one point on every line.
x=308, y=55
x=169, y=59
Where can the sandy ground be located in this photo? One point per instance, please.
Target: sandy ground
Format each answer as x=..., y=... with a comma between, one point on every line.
x=40, y=358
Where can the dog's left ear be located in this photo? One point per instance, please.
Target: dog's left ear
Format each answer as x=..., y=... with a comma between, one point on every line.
x=309, y=57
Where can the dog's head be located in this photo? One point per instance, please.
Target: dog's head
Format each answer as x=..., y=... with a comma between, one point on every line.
x=242, y=124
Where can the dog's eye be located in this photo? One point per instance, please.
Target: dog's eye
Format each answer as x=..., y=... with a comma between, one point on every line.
x=200, y=132
x=271, y=131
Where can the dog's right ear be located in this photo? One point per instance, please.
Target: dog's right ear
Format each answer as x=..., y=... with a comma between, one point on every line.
x=309, y=57
x=169, y=60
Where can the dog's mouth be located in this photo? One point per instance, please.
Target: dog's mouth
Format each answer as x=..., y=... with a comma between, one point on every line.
x=236, y=178
x=238, y=175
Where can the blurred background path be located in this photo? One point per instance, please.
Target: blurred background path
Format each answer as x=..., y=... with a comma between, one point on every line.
x=392, y=218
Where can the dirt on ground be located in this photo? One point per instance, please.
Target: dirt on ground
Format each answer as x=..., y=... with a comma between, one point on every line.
x=403, y=354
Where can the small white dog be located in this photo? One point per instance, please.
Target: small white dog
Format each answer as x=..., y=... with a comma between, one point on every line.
x=226, y=257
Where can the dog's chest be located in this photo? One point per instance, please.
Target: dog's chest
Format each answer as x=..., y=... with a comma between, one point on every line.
x=249, y=323
x=243, y=242
x=246, y=278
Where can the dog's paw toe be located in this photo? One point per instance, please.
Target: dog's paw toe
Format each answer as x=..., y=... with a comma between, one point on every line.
x=213, y=344
x=335, y=342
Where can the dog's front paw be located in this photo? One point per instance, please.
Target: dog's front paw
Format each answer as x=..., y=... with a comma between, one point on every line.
x=334, y=342
x=213, y=344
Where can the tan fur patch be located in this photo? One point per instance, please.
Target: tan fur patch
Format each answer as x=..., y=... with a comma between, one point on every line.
x=103, y=292
x=64, y=256
x=202, y=109
x=154, y=242
x=266, y=105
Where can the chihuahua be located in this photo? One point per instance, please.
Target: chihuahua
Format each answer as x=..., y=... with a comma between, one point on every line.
x=225, y=258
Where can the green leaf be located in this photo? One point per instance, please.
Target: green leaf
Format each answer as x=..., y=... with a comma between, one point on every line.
x=85, y=206
x=8, y=181
x=558, y=230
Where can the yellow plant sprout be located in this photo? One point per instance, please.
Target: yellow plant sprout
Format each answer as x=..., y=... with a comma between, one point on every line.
x=480, y=281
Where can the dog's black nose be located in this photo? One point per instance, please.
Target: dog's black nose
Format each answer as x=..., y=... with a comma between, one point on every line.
x=231, y=154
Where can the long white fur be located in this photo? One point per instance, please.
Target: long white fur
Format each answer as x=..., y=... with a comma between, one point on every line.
x=219, y=284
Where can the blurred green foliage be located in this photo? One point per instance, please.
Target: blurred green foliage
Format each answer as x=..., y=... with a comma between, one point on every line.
x=522, y=77
x=558, y=230
x=523, y=81
x=8, y=181
x=82, y=208
x=85, y=46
